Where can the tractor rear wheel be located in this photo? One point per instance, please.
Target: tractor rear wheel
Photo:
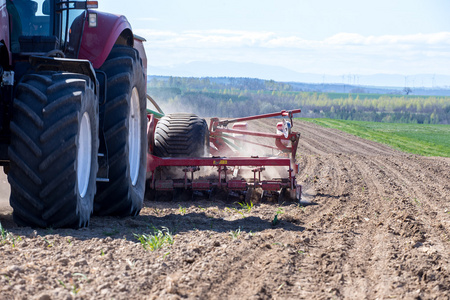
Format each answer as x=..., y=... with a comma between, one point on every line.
x=124, y=125
x=181, y=135
x=53, y=151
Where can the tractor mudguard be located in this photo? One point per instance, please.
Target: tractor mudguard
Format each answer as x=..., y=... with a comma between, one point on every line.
x=139, y=46
x=97, y=42
x=45, y=63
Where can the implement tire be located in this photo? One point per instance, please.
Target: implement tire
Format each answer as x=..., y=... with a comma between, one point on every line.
x=53, y=150
x=125, y=126
x=181, y=135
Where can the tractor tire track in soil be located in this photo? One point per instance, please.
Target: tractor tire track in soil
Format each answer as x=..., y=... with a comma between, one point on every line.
x=380, y=229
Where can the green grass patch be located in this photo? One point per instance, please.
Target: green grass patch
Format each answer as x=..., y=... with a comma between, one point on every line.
x=158, y=239
x=422, y=139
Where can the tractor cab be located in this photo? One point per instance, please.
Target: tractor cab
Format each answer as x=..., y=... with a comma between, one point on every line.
x=43, y=26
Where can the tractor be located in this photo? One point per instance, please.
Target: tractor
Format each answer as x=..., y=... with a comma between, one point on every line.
x=73, y=120
x=80, y=136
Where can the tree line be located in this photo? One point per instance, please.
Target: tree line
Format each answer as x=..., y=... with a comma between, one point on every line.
x=239, y=97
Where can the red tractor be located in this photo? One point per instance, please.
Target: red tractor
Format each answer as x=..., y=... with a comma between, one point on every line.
x=73, y=118
x=76, y=137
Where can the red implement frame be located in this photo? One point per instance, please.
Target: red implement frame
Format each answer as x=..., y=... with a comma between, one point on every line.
x=225, y=157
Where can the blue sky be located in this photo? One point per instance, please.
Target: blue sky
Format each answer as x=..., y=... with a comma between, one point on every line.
x=317, y=36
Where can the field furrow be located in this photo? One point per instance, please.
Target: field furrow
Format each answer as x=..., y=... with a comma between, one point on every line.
x=379, y=229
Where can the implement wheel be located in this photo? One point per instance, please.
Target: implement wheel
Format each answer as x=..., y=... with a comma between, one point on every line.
x=124, y=125
x=53, y=151
x=181, y=135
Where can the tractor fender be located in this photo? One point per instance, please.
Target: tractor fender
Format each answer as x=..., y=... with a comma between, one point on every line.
x=97, y=42
x=139, y=46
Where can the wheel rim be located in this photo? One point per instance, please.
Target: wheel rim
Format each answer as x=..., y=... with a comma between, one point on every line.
x=84, y=155
x=134, y=136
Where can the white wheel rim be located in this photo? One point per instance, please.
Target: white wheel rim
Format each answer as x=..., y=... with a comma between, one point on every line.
x=84, y=155
x=134, y=136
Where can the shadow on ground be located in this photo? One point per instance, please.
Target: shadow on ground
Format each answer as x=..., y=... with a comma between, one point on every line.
x=219, y=217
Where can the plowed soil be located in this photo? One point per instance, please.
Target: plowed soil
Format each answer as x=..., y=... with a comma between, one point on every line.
x=380, y=229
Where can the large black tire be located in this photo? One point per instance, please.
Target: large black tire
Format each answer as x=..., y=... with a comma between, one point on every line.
x=125, y=125
x=181, y=135
x=53, y=151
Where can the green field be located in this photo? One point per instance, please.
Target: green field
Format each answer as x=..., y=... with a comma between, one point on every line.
x=427, y=140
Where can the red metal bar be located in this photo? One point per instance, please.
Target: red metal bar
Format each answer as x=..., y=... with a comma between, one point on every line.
x=240, y=185
x=154, y=161
x=271, y=185
x=235, y=185
x=201, y=185
x=218, y=131
x=277, y=114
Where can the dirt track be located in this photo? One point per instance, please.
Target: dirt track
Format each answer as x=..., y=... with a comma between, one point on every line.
x=381, y=230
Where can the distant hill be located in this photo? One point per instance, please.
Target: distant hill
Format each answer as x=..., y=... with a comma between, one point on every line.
x=251, y=70
x=243, y=83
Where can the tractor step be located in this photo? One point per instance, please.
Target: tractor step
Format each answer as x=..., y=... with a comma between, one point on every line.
x=99, y=179
x=103, y=169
